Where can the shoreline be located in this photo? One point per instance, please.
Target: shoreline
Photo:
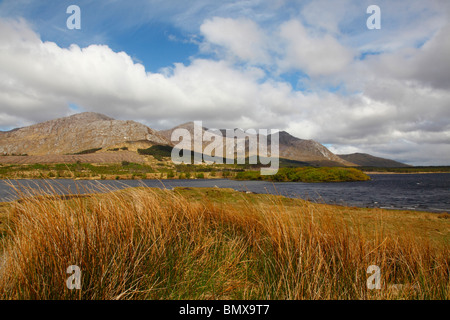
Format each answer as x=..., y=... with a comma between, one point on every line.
x=224, y=189
x=218, y=235
x=389, y=172
x=109, y=178
x=246, y=191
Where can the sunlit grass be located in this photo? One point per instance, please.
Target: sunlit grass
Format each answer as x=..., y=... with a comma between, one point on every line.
x=143, y=243
x=308, y=174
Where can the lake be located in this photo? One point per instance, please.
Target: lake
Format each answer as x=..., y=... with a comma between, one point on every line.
x=426, y=192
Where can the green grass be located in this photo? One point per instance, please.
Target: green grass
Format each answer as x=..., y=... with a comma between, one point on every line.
x=429, y=169
x=72, y=170
x=126, y=169
x=307, y=174
x=157, y=151
x=88, y=151
x=289, y=170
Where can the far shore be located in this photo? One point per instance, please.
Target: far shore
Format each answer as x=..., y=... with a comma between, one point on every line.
x=206, y=177
x=389, y=172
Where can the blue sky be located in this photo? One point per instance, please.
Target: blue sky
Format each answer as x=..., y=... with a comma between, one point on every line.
x=160, y=33
x=309, y=67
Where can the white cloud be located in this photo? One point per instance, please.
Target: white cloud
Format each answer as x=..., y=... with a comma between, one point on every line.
x=289, y=47
x=393, y=104
x=428, y=65
x=42, y=76
x=317, y=55
x=242, y=38
x=328, y=15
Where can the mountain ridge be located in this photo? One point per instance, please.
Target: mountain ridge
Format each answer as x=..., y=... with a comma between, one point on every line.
x=90, y=130
x=368, y=160
x=290, y=147
x=75, y=133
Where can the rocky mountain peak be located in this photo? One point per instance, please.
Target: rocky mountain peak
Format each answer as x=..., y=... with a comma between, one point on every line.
x=75, y=133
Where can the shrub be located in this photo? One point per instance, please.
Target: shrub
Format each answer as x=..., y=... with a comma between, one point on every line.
x=307, y=174
x=170, y=175
x=157, y=151
x=93, y=150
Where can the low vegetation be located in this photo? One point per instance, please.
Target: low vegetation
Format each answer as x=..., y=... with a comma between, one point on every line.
x=5, y=154
x=419, y=169
x=161, y=168
x=117, y=149
x=307, y=174
x=89, y=151
x=125, y=169
x=144, y=243
x=157, y=151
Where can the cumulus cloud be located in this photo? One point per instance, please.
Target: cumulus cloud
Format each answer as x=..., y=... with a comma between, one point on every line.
x=328, y=15
x=392, y=104
x=42, y=76
x=242, y=38
x=290, y=47
x=428, y=65
x=316, y=55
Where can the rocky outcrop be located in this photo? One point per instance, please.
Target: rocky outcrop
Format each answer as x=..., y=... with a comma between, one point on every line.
x=74, y=134
x=290, y=147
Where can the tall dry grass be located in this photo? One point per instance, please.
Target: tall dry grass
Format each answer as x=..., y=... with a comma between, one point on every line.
x=150, y=244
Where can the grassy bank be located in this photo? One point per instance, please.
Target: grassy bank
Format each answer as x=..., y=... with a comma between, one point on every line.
x=123, y=170
x=144, y=243
x=307, y=174
x=167, y=170
x=412, y=170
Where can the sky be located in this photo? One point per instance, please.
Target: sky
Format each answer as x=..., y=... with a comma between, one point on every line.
x=312, y=68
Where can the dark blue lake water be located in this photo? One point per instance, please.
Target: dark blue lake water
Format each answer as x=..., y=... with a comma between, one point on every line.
x=428, y=192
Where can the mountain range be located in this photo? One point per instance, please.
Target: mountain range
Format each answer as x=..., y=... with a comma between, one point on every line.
x=290, y=147
x=367, y=160
x=93, y=131
x=75, y=133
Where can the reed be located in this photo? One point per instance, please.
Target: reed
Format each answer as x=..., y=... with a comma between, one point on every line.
x=144, y=243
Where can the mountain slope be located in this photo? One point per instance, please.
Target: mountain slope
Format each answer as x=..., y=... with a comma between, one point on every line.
x=88, y=130
x=201, y=133
x=290, y=147
x=75, y=133
x=308, y=151
x=367, y=160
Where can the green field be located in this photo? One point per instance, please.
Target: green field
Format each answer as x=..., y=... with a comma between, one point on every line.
x=419, y=169
x=74, y=170
x=307, y=174
x=165, y=170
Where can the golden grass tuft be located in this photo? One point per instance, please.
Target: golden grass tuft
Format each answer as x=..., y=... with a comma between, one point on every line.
x=143, y=243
